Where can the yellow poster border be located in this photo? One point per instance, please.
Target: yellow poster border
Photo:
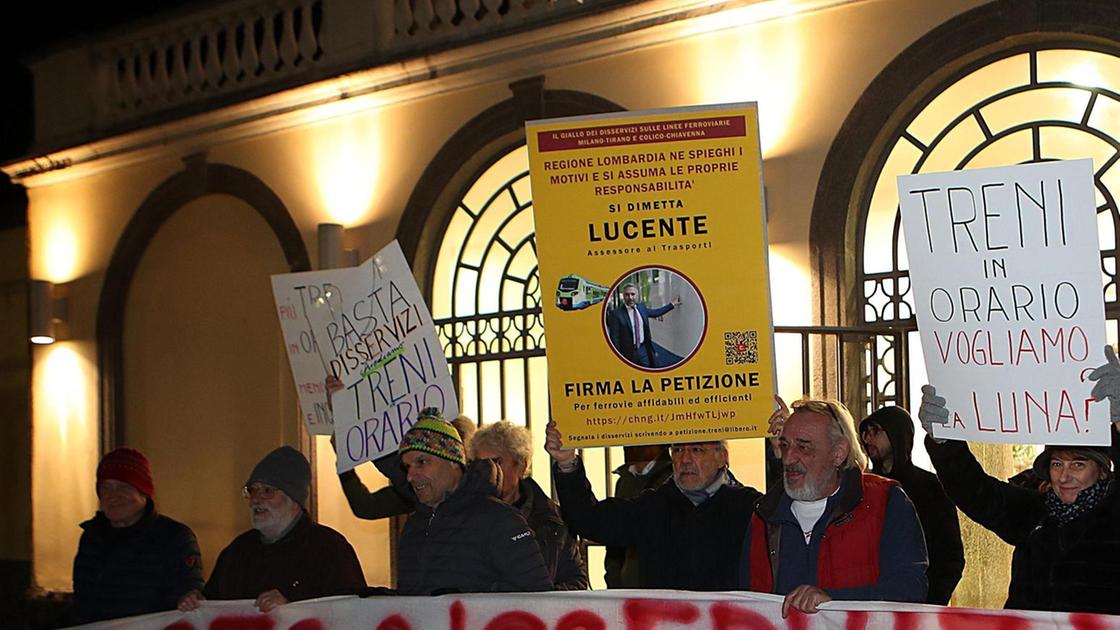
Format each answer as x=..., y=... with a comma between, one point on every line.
x=691, y=181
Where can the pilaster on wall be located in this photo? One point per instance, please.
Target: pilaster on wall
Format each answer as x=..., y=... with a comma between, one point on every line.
x=15, y=387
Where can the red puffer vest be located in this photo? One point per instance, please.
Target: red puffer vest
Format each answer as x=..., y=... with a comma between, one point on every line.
x=849, y=553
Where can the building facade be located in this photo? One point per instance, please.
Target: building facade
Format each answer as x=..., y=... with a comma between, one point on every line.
x=179, y=164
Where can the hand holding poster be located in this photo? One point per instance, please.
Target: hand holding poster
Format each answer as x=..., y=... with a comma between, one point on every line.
x=303, y=303
x=649, y=229
x=369, y=327
x=388, y=356
x=1005, y=266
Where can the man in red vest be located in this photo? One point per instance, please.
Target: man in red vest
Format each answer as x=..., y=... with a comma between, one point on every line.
x=831, y=530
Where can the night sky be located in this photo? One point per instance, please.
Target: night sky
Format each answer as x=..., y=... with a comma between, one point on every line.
x=28, y=29
x=37, y=26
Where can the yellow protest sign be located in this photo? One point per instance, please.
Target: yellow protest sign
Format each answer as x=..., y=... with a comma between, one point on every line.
x=656, y=298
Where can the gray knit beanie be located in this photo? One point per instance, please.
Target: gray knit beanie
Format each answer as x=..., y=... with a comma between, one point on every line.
x=1098, y=454
x=287, y=469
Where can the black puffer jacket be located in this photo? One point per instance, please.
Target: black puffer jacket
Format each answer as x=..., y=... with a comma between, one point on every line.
x=1071, y=567
x=938, y=515
x=561, y=553
x=120, y=572
x=471, y=542
x=622, y=565
x=682, y=546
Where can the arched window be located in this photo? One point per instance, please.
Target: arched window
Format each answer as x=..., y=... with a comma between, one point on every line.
x=980, y=90
x=485, y=296
x=1026, y=106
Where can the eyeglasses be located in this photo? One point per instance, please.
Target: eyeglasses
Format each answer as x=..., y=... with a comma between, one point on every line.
x=260, y=491
x=693, y=450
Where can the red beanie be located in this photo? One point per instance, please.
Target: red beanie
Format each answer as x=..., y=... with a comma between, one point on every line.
x=130, y=466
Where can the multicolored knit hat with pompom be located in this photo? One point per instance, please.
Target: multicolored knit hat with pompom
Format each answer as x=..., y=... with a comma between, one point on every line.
x=434, y=435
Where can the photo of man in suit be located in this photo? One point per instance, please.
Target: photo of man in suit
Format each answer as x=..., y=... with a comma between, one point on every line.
x=628, y=328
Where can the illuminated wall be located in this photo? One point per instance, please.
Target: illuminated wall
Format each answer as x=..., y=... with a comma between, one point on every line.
x=206, y=382
x=357, y=163
x=73, y=227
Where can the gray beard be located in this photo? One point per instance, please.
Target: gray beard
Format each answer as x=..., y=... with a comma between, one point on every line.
x=810, y=490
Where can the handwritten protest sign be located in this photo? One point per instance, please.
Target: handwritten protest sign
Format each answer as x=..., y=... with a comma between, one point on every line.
x=303, y=303
x=384, y=348
x=1005, y=266
x=650, y=232
x=368, y=326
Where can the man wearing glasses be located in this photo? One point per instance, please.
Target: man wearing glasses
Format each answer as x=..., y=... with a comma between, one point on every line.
x=830, y=530
x=888, y=438
x=689, y=533
x=286, y=556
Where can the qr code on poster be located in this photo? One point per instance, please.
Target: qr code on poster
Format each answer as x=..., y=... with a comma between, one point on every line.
x=740, y=346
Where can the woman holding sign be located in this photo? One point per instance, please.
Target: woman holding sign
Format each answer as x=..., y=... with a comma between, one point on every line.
x=1066, y=536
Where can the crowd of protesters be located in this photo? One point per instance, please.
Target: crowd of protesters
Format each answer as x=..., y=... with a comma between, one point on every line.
x=830, y=530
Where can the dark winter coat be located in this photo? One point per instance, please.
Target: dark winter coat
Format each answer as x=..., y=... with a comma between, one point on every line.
x=1071, y=567
x=937, y=513
x=559, y=548
x=683, y=546
x=623, y=564
x=310, y=561
x=471, y=542
x=144, y=568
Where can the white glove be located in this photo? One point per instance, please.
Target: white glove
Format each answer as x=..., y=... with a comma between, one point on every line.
x=933, y=410
x=1107, y=377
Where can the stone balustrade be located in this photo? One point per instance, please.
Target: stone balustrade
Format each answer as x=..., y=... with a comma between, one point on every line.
x=218, y=54
x=232, y=51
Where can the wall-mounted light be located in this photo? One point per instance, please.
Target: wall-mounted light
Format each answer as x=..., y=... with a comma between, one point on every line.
x=48, y=315
x=331, y=252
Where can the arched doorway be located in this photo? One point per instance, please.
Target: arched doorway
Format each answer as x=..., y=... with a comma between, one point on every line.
x=192, y=364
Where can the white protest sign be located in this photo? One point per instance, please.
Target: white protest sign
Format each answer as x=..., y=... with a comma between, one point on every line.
x=1006, y=274
x=384, y=348
x=304, y=302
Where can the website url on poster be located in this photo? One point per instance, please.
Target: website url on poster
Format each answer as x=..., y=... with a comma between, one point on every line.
x=685, y=432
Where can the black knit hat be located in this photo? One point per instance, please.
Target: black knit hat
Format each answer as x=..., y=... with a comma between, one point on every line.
x=287, y=469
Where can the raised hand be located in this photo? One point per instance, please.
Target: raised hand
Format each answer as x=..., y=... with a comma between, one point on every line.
x=565, y=457
x=1107, y=377
x=932, y=411
x=777, y=422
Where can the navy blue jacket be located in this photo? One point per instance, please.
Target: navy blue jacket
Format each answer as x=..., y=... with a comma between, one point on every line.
x=144, y=568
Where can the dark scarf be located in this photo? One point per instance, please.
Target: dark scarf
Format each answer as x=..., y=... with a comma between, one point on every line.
x=724, y=478
x=1086, y=500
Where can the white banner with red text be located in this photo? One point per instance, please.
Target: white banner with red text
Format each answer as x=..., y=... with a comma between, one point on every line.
x=600, y=610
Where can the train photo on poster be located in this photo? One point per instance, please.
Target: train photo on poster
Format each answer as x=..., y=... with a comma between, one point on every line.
x=574, y=293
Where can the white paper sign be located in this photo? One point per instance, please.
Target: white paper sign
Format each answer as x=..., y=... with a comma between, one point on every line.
x=384, y=347
x=304, y=302
x=1006, y=272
